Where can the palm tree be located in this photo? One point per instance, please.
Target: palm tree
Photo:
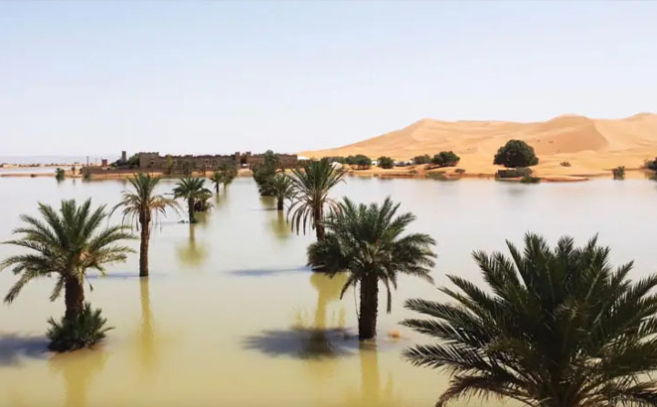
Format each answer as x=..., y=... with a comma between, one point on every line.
x=217, y=179
x=67, y=243
x=140, y=207
x=311, y=186
x=191, y=189
x=367, y=242
x=555, y=327
x=283, y=189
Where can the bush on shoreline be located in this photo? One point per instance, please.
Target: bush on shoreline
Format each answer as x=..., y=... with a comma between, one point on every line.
x=514, y=154
x=386, y=162
x=446, y=159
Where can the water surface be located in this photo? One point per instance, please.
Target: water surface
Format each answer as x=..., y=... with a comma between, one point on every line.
x=231, y=316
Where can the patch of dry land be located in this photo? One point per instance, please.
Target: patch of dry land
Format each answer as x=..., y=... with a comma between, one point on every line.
x=592, y=146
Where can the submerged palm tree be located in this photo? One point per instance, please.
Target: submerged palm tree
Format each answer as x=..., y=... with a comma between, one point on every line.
x=191, y=189
x=556, y=327
x=217, y=179
x=367, y=242
x=312, y=182
x=67, y=243
x=283, y=189
x=141, y=208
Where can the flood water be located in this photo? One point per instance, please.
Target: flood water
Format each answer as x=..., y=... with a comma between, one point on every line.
x=232, y=317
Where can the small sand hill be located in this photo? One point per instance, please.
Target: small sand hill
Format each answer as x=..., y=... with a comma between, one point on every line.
x=591, y=146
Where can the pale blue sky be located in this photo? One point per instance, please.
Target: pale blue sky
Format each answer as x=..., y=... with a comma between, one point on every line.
x=184, y=77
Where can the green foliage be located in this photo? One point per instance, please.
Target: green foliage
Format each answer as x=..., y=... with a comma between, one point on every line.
x=339, y=160
x=283, y=188
x=445, y=159
x=66, y=243
x=60, y=174
x=422, y=159
x=312, y=183
x=85, y=331
x=565, y=164
x=263, y=174
x=133, y=161
x=515, y=153
x=363, y=162
x=554, y=327
x=193, y=190
x=386, y=162
x=459, y=171
x=619, y=173
x=202, y=203
x=368, y=242
x=514, y=173
x=271, y=159
x=142, y=205
x=651, y=165
x=228, y=173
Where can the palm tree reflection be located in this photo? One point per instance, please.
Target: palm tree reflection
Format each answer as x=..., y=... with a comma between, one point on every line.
x=78, y=368
x=190, y=254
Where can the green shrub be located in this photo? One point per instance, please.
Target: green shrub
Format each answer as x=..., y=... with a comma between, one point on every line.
x=619, y=172
x=87, y=330
x=60, y=174
x=386, y=162
x=514, y=173
x=460, y=171
x=528, y=179
x=422, y=159
x=363, y=162
x=514, y=154
x=445, y=159
x=565, y=164
x=651, y=165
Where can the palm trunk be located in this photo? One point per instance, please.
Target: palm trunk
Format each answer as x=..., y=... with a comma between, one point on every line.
x=190, y=205
x=216, y=187
x=143, y=251
x=279, y=204
x=319, y=227
x=74, y=298
x=369, y=306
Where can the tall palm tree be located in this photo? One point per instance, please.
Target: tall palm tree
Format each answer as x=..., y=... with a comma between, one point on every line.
x=67, y=243
x=283, y=189
x=367, y=242
x=555, y=327
x=217, y=179
x=141, y=208
x=312, y=183
x=191, y=189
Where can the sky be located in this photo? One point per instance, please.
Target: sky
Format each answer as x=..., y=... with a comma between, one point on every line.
x=80, y=78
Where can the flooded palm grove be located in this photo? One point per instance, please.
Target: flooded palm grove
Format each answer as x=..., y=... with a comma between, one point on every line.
x=232, y=316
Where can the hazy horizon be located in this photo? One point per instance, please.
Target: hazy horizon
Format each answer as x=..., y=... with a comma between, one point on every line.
x=97, y=78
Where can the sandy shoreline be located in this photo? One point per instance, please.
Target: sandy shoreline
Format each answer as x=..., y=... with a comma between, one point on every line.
x=410, y=172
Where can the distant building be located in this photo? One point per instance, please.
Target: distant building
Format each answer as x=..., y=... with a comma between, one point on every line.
x=181, y=163
x=103, y=162
x=124, y=157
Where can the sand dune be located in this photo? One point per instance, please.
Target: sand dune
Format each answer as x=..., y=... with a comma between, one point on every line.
x=591, y=146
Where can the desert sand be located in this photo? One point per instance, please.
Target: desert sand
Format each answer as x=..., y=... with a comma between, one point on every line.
x=592, y=146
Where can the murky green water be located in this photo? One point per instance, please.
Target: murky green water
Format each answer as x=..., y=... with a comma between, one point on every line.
x=231, y=317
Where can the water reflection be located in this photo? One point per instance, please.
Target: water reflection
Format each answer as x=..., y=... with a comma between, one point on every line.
x=372, y=391
x=280, y=227
x=146, y=334
x=78, y=369
x=190, y=253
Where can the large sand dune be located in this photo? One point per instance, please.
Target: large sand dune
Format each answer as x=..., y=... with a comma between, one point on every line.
x=591, y=146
